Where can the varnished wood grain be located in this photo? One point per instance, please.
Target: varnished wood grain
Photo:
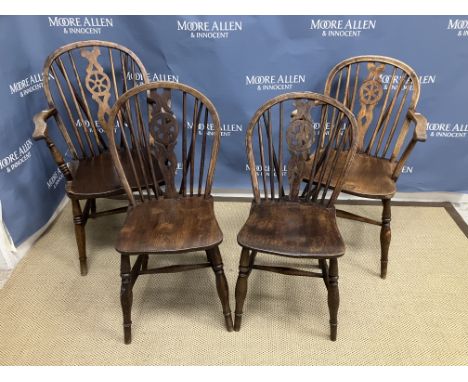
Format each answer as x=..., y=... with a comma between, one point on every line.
x=292, y=229
x=368, y=176
x=297, y=220
x=78, y=98
x=97, y=177
x=164, y=218
x=389, y=128
x=177, y=225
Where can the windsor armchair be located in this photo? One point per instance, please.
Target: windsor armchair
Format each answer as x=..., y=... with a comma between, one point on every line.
x=180, y=133
x=81, y=80
x=383, y=93
x=289, y=217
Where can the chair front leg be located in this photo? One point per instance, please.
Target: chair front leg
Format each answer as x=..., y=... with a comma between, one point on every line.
x=80, y=235
x=385, y=236
x=214, y=257
x=126, y=297
x=245, y=267
x=333, y=297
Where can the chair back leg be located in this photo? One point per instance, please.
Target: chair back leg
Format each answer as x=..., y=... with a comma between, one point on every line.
x=126, y=297
x=80, y=235
x=385, y=236
x=333, y=297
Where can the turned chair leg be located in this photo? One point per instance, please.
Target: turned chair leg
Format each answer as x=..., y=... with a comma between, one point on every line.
x=126, y=297
x=245, y=267
x=385, y=236
x=80, y=235
x=333, y=297
x=214, y=257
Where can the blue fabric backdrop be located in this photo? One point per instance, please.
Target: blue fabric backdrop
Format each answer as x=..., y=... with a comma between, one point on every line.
x=238, y=62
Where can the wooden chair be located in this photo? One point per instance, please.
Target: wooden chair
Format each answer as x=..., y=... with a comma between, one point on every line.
x=180, y=133
x=284, y=219
x=81, y=80
x=389, y=128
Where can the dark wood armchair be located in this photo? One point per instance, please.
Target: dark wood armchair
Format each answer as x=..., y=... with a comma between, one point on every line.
x=289, y=217
x=180, y=133
x=383, y=94
x=81, y=81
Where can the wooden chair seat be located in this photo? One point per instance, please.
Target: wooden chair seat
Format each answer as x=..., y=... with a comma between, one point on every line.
x=177, y=225
x=97, y=177
x=292, y=229
x=368, y=176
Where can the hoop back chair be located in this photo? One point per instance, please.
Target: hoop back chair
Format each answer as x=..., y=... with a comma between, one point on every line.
x=289, y=217
x=180, y=132
x=383, y=94
x=81, y=81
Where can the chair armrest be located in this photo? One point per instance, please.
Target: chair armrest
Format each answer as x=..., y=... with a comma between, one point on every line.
x=420, y=121
x=40, y=123
x=40, y=132
x=419, y=135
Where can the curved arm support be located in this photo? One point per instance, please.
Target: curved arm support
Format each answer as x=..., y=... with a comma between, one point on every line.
x=41, y=132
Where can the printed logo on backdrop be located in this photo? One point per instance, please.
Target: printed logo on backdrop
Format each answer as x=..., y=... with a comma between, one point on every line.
x=459, y=26
x=55, y=179
x=275, y=81
x=17, y=157
x=447, y=130
x=227, y=129
x=153, y=77
x=259, y=170
x=87, y=125
x=342, y=27
x=407, y=169
x=266, y=169
x=81, y=25
x=427, y=79
x=210, y=29
x=28, y=85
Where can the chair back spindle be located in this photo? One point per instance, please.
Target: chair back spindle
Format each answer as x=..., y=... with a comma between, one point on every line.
x=178, y=133
x=81, y=81
x=278, y=150
x=379, y=91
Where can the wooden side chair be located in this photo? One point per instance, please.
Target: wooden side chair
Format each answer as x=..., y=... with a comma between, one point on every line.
x=180, y=133
x=81, y=81
x=289, y=217
x=383, y=94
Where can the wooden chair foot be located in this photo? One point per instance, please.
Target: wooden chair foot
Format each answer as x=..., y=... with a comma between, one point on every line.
x=333, y=331
x=237, y=322
x=229, y=323
x=128, y=334
x=383, y=269
x=83, y=267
